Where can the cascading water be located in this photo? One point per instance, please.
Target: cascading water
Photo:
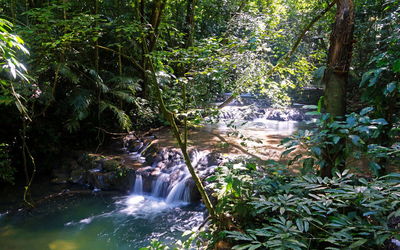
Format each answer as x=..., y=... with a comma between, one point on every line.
x=171, y=183
x=138, y=188
x=160, y=186
x=174, y=192
x=179, y=192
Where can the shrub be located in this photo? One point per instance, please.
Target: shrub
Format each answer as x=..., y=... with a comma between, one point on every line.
x=308, y=211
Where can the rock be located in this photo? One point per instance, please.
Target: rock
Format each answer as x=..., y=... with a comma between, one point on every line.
x=194, y=193
x=60, y=175
x=74, y=165
x=111, y=180
x=214, y=159
x=145, y=171
x=112, y=165
x=161, y=165
x=78, y=176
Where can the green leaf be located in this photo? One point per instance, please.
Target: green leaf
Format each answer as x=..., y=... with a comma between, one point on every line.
x=313, y=113
x=375, y=167
x=251, y=166
x=299, y=224
x=320, y=103
x=396, y=66
x=211, y=179
x=253, y=247
x=356, y=140
x=317, y=151
x=390, y=88
x=366, y=110
x=351, y=120
x=310, y=107
x=358, y=243
x=308, y=166
x=306, y=226
x=379, y=121
x=392, y=175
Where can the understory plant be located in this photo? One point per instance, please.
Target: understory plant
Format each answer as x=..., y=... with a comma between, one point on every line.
x=342, y=143
x=274, y=211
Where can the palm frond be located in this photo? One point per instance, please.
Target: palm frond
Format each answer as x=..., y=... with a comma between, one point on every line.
x=66, y=71
x=80, y=100
x=72, y=125
x=98, y=80
x=123, y=119
x=123, y=95
x=126, y=82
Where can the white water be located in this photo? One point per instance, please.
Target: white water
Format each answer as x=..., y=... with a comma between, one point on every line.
x=176, y=192
x=143, y=206
x=138, y=188
x=160, y=186
x=180, y=192
x=171, y=185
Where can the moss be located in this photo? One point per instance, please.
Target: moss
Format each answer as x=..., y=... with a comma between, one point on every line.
x=112, y=165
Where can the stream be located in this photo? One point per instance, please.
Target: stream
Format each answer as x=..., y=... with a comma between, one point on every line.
x=160, y=210
x=99, y=222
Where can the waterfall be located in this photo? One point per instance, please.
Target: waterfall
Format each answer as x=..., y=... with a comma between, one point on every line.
x=179, y=192
x=169, y=177
x=160, y=186
x=138, y=188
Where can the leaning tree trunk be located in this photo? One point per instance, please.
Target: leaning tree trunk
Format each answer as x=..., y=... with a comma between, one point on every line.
x=336, y=74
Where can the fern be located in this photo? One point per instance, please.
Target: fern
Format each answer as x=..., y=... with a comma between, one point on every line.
x=123, y=119
x=122, y=95
x=72, y=125
x=66, y=71
x=80, y=100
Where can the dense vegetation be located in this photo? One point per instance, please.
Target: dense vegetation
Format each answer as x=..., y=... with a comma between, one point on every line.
x=73, y=72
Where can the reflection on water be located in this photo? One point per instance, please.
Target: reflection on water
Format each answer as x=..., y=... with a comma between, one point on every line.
x=128, y=222
x=268, y=127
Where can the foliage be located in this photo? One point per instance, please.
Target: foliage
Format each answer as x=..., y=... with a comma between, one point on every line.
x=88, y=62
x=11, y=68
x=6, y=170
x=282, y=212
x=12, y=88
x=87, y=91
x=194, y=238
x=338, y=142
x=379, y=84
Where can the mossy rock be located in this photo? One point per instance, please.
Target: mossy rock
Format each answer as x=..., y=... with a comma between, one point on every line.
x=78, y=176
x=112, y=165
x=90, y=161
x=111, y=181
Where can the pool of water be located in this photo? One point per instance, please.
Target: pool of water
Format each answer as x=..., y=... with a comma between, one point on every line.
x=98, y=222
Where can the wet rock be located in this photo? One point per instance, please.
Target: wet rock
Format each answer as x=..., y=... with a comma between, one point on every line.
x=112, y=165
x=78, y=176
x=194, y=193
x=214, y=159
x=111, y=180
x=161, y=165
x=60, y=176
x=137, y=147
x=145, y=171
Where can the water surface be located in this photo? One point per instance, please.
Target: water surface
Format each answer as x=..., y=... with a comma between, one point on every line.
x=98, y=222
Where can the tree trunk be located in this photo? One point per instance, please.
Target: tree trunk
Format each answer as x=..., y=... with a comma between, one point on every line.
x=336, y=74
x=155, y=21
x=190, y=24
x=339, y=58
x=149, y=42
